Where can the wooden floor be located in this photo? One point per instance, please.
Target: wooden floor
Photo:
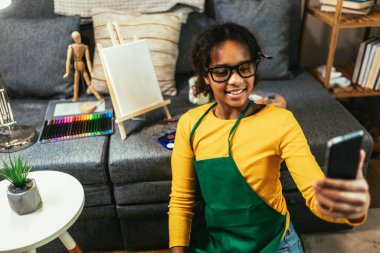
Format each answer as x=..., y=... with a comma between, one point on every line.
x=364, y=238
x=123, y=251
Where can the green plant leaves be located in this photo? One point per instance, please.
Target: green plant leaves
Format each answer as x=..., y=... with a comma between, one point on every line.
x=16, y=171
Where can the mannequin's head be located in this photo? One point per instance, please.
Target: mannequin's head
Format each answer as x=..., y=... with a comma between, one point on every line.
x=76, y=37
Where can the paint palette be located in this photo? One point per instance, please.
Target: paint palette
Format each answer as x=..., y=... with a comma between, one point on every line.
x=78, y=126
x=167, y=140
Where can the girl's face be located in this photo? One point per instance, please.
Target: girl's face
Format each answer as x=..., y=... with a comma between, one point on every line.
x=232, y=93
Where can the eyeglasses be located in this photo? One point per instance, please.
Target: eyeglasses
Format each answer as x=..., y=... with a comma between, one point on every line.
x=222, y=73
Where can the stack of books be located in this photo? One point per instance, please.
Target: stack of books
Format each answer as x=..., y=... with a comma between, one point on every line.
x=367, y=66
x=361, y=7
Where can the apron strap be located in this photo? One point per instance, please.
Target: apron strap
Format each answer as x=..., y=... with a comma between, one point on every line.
x=232, y=130
x=196, y=126
x=236, y=124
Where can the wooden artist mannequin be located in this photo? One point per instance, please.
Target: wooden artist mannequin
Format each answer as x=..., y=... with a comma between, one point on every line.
x=78, y=50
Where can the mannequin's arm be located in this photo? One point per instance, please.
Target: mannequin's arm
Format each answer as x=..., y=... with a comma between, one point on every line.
x=69, y=54
x=89, y=65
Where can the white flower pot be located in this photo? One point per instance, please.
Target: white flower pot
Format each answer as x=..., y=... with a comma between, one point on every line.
x=25, y=201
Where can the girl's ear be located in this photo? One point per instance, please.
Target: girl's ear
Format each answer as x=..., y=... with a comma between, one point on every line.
x=207, y=81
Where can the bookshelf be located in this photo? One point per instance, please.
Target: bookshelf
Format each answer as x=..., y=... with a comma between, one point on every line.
x=376, y=147
x=353, y=90
x=348, y=20
x=339, y=21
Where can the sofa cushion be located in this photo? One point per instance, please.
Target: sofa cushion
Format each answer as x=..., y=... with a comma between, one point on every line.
x=270, y=22
x=321, y=117
x=29, y=9
x=142, y=192
x=98, y=195
x=144, y=226
x=295, y=35
x=140, y=158
x=83, y=158
x=161, y=32
x=195, y=23
x=33, y=59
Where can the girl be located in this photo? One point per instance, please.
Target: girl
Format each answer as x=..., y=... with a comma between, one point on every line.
x=233, y=148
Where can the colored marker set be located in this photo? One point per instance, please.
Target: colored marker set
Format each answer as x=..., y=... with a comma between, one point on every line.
x=71, y=127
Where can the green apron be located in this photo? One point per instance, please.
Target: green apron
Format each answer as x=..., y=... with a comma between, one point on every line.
x=236, y=218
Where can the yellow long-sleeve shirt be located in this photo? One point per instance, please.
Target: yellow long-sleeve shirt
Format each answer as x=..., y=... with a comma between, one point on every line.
x=259, y=144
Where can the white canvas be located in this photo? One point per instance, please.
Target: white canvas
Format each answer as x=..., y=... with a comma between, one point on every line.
x=131, y=74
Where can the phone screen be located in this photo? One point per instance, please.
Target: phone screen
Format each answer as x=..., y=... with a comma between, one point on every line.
x=343, y=155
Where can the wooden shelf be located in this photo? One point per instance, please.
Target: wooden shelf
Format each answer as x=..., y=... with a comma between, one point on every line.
x=352, y=91
x=348, y=20
x=376, y=146
x=337, y=21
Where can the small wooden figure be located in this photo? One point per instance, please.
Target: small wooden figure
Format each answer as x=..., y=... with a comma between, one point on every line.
x=78, y=51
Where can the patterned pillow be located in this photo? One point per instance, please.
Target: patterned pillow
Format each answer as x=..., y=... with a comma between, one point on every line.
x=161, y=32
x=84, y=7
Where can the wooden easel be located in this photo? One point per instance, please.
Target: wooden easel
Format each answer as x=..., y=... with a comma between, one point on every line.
x=117, y=40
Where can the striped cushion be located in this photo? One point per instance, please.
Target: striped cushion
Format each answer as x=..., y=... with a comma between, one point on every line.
x=84, y=7
x=161, y=31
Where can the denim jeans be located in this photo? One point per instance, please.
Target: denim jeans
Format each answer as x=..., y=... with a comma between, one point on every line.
x=291, y=242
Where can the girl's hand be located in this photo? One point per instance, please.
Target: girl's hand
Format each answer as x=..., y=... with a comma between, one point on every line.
x=179, y=249
x=338, y=198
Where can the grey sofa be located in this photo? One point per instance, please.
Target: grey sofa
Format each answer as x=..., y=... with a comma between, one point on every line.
x=127, y=183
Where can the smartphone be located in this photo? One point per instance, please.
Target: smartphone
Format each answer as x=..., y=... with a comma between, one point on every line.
x=342, y=155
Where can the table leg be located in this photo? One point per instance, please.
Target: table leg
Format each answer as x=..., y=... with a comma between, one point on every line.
x=69, y=243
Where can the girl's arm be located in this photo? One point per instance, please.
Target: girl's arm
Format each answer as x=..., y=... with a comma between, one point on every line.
x=182, y=198
x=350, y=198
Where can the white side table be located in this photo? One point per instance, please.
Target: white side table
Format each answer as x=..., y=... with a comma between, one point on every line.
x=62, y=202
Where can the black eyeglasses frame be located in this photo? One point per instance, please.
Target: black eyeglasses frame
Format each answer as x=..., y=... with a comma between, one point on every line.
x=231, y=68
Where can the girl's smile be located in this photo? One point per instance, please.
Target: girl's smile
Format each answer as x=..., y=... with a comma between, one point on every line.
x=232, y=94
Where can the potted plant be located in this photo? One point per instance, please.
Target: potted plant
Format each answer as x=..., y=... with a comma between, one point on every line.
x=23, y=194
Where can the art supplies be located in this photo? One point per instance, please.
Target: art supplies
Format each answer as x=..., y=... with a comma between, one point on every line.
x=78, y=126
x=167, y=140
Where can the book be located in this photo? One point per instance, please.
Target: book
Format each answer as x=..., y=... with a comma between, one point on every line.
x=359, y=59
x=372, y=50
x=329, y=8
x=377, y=82
x=365, y=62
x=375, y=68
x=350, y=4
